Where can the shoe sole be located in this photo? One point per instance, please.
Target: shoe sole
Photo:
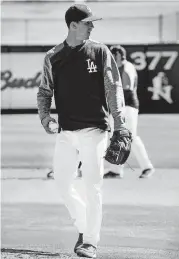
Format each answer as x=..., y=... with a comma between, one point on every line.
x=82, y=254
x=147, y=176
x=50, y=175
x=113, y=176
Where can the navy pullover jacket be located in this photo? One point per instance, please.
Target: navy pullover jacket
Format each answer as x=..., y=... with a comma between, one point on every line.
x=85, y=83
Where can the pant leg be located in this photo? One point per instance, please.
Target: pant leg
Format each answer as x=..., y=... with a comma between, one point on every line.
x=65, y=165
x=92, y=148
x=131, y=115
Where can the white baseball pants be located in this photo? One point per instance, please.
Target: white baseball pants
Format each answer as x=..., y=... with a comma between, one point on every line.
x=138, y=148
x=88, y=146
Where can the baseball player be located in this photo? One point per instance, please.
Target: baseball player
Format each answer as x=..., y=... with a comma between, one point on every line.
x=129, y=82
x=84, y=79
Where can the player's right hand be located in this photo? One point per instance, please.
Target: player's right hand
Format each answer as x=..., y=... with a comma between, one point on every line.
x=46, y=124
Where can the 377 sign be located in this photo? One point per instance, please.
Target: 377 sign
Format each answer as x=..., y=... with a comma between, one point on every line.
x=151, y=59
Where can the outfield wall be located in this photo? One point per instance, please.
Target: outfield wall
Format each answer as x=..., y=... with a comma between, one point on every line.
x=157, y=66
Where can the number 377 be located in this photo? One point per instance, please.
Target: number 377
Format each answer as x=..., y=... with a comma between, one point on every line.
x=141, y=59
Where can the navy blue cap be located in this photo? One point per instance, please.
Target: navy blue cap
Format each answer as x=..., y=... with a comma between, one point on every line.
x=80, y=12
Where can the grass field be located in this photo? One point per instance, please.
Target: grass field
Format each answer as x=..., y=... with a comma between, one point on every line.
x=140, y=216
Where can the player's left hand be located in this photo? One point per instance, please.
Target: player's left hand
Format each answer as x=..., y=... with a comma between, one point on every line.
x=120, y=147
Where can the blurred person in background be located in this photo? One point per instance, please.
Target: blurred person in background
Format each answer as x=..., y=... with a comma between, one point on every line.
x=129, y=82
x=84, y=79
